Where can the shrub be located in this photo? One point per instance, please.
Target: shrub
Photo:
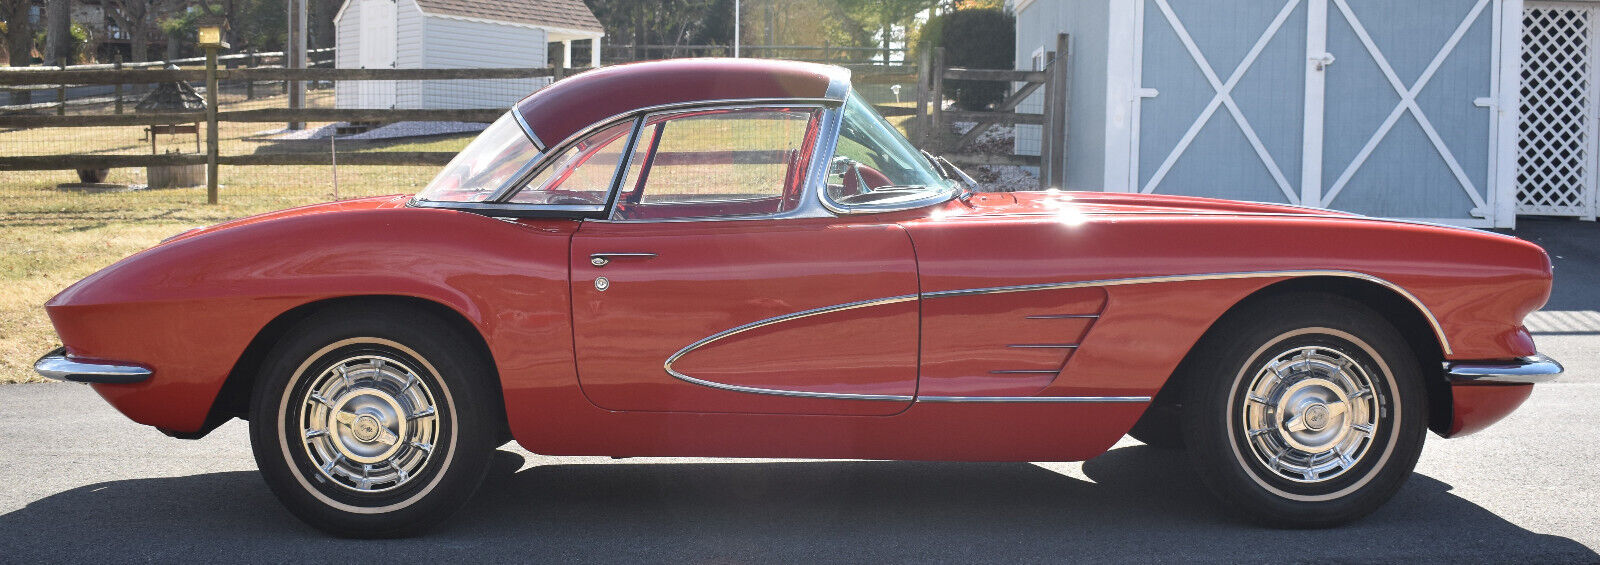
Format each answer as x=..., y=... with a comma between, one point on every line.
x=975, y=39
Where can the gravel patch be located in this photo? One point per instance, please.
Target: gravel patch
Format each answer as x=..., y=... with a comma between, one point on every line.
x=392, y=131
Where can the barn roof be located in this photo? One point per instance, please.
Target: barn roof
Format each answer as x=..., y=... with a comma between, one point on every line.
x=569, y=106
x=566, y=14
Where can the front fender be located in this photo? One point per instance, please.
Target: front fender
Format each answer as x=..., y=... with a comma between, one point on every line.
x=188, y=308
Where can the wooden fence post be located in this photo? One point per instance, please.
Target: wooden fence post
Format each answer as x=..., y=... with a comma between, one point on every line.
x=250, y=84
x=116, y=64
x=1052, y=137
x=937, y=97
x=61, y=96
x=212, y=147
x=560, y=72
x=922, y=98
x=1061, y=80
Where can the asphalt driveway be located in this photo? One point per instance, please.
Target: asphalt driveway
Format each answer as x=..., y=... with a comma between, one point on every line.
x=80, y=483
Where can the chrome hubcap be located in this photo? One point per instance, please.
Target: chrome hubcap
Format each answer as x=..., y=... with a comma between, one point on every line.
x=1310, y=414
x=369, y=424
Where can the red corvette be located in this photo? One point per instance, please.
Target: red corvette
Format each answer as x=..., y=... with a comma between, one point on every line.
x=742, y=259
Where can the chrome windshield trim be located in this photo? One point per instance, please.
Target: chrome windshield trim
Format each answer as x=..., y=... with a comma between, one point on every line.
x=527, y=129
x=1527, y=370
x=1438, y=330
x=545, y=157
x=1034, y=399
x=56, y=365
x=778, y=320
x=930, y=198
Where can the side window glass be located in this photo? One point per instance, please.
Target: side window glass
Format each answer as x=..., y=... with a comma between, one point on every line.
x=718, y=163
x=581, y=175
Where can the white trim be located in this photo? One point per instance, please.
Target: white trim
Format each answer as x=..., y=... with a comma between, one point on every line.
x=1123, y=73
x=545, y=28
x=1408, y=103
x=337, y=16
x=1224, y=98
x=1020, y=6
x=1316, y=108
x=1508, y=117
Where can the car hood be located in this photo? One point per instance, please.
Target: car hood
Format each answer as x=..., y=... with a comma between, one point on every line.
x=321, y=208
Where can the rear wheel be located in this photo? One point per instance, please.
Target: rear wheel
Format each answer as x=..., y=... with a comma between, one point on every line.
x=367, y=423
x=1305, y=411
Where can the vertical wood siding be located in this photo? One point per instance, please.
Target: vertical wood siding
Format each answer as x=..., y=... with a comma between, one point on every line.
x=459, y=44
x=1088, y=22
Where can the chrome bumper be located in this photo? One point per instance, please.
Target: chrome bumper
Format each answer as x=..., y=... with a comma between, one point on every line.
x=1527, y=370
x=56, y=365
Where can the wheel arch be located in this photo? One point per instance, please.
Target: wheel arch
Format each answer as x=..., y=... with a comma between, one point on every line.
x=1407, y=316
x=233, y=399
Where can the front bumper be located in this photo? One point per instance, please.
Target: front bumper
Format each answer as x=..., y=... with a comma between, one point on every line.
x=1525, y=371
x=57, y=365
x=1484, y=392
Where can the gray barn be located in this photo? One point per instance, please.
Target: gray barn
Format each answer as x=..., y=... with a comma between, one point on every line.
x=1466, y=112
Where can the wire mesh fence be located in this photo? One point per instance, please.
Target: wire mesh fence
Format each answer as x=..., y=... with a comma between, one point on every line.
x=316, y=158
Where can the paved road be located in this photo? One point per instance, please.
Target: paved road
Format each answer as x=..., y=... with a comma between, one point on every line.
x=78, y=482
x=82, y=484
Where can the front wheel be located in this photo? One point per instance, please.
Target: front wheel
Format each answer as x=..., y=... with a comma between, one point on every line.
x=367, y=423
x=1307, y=411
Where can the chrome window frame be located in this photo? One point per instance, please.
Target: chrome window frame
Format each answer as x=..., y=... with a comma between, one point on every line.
x=810, y=184
x=498, y=204
x=931, y=199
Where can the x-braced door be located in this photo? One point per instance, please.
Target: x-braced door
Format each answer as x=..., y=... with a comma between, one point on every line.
x=1370, y=106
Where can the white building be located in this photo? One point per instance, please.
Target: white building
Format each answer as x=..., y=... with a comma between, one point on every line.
x=1461, y=111
x=455, y=34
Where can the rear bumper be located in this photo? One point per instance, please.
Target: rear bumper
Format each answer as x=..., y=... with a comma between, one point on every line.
x=1484, y=392
x=1525, y=371
x=57, y=365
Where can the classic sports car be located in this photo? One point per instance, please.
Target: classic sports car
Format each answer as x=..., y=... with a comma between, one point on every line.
x=737, y=258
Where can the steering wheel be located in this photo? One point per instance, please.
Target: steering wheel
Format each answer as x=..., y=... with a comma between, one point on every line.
x=859, y=178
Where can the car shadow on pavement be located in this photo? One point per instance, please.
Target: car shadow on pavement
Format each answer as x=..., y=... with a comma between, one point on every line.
x=1139, y=504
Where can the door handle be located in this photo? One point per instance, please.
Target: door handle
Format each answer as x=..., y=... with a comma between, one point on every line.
x=603, y=259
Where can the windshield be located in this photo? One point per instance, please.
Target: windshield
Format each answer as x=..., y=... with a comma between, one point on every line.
x=875, y=164
x=499, y=155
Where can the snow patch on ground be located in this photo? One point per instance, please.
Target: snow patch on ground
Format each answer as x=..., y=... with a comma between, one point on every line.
x=998, y=140
x=391, y=131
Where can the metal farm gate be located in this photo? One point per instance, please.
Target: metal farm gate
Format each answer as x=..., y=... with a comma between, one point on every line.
x=1556, y=144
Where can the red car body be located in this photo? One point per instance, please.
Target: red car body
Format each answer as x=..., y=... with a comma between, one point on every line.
x=1006, y=326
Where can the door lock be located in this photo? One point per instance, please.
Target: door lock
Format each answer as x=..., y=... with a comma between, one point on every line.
x=602, y=284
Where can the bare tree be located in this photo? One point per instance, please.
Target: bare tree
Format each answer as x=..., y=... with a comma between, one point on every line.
x=18, y=32
x=58, y=40
x=138, y=19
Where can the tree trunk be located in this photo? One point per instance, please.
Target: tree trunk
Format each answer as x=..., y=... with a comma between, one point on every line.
x=58, y=39
x=19, y=47
x=888, y=43
x=140, y=44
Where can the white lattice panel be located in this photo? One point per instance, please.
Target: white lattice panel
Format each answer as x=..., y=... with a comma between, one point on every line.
x=1556, y=142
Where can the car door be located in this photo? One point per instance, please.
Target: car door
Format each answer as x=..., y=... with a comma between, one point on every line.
x=705, y=291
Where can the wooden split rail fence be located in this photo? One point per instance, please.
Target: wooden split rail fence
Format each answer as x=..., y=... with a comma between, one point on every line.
x=928, y=78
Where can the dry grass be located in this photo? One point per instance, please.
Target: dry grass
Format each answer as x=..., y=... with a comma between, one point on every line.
x=50, y=238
